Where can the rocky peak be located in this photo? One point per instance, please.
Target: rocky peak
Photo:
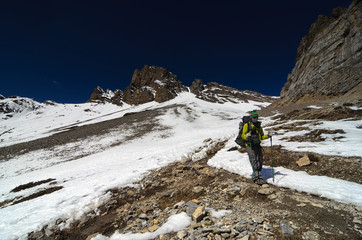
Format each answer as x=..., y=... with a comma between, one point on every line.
x=328, y=59
x=217, y=93
x=152, y=84
x=101, y=96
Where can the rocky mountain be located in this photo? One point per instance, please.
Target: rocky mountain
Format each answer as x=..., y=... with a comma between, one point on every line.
x=152, y=84
x=217, y=93
x=157, y=84
x=15, y=104
x=328, y=59
x=101, y=96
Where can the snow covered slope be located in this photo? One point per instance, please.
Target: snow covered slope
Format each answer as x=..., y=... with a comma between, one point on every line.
x=76, y=177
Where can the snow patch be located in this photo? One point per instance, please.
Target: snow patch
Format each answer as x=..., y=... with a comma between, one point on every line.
x=174, y=223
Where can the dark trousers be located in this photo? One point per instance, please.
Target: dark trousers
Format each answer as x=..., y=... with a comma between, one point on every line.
x=255, y=157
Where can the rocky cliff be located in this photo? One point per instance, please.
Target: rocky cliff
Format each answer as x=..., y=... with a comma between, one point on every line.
x=152, y=84
x=328, y=59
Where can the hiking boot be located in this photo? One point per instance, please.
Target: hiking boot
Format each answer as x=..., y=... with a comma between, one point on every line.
x=255, y=177
x=260, y=180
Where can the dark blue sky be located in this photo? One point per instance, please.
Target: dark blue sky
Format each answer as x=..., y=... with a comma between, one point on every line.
x=62, y=49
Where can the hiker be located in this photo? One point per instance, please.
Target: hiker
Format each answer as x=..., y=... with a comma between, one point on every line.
x=253, y=133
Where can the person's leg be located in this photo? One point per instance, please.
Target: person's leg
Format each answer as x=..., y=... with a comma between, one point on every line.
x=251, y=154
x=258, y=157
x=259, y=164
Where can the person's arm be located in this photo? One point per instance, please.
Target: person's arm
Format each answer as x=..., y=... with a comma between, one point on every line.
x=245, y=131
x=263, y=136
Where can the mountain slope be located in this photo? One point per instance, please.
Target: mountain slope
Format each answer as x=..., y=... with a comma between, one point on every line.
x=183, y=129
x=75, y=177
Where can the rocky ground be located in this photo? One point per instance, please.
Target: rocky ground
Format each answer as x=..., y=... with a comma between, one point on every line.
x=258, y=212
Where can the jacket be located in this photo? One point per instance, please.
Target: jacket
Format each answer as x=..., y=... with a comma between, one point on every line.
x=253, y=128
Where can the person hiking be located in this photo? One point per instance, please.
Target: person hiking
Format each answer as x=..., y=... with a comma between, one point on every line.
x=253, y=133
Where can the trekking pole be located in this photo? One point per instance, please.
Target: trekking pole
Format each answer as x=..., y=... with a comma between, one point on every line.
x=271, y=152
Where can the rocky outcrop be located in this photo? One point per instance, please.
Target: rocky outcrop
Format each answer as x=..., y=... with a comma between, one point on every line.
x=217, y=93
x=102, y=96
x=328, y=60
x=116, y=99
x=197, y=87
x=152, y=84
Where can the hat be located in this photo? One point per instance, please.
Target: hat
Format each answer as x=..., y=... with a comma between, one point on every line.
x=253, y=114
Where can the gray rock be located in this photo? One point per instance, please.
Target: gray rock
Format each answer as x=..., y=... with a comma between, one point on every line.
x=258, y=219
x=234, y=188
x=190, y=208
x=241, y=227
x=286, y=229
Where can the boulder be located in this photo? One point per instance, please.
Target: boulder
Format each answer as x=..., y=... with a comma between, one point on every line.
x=304, y=161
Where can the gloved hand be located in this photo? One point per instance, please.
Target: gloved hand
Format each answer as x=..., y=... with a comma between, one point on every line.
x=248, y=135
x=270, y=134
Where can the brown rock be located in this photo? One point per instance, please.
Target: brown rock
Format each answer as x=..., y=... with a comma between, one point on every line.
x=153, y=228
x=197, y=87
x=199, y=214
x=152, y=84
x=304, y=161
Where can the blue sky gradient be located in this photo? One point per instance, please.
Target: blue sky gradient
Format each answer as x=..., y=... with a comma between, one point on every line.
x=61, y=50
